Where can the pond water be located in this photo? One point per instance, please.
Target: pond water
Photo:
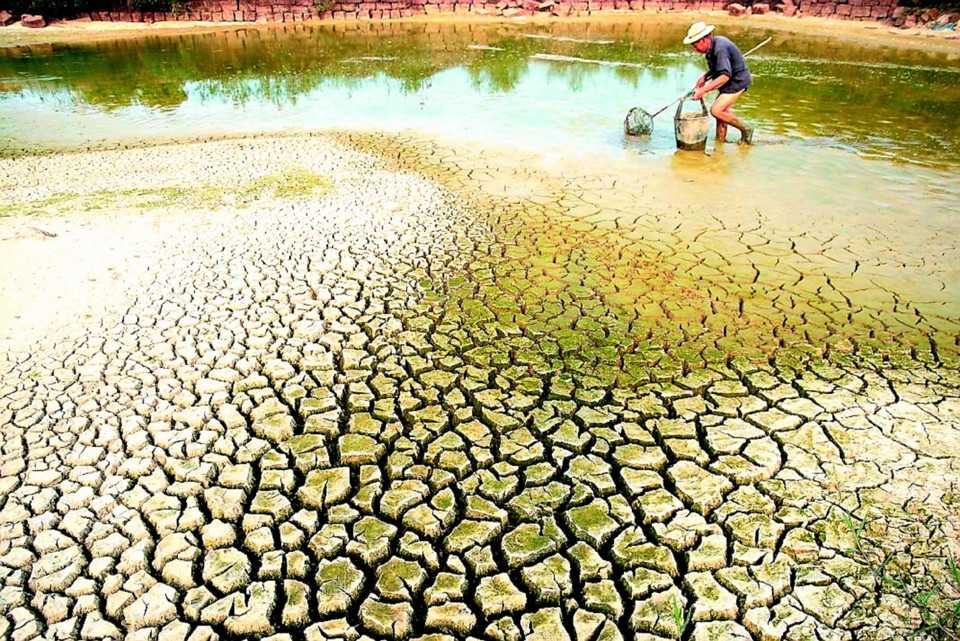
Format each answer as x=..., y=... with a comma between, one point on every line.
x=856, y=140
x=542, y=86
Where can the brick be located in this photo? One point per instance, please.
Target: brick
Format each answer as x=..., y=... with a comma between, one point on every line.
x=32, y=22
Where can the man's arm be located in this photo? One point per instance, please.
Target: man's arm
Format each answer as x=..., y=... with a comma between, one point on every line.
x=701, y=90
x=723, y=72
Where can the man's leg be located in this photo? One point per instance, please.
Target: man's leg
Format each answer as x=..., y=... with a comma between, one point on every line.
x=721, y=109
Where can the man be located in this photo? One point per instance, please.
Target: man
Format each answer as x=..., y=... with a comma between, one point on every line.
x=726, y=72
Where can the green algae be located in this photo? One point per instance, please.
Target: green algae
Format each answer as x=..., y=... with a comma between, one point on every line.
x=630, y=314
x=592, y=522
x=285, y=185
x=293, y=183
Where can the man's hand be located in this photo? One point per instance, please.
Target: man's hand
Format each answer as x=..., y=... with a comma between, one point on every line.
x=700, y=82
x=703, y=89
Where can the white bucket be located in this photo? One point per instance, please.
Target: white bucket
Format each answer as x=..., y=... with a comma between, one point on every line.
x=692, y=127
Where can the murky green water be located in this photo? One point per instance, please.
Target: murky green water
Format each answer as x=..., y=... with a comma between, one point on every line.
x=563, y=85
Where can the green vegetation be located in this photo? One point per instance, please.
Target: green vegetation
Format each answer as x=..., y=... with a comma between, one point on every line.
x=286, y=185
x=294, y=183
x=919, y=6
x=933, y=595
x=152, y=5
x=73, y=8
x=53, y=8
x=680, y=618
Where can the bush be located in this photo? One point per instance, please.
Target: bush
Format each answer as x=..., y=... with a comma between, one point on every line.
x=918, y=6
x=151, y=5
x=73, y=8
x=50, y=8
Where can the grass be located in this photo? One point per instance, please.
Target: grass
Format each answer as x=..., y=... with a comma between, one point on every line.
x=681, y=618
x=286, y=185
x=936, y=599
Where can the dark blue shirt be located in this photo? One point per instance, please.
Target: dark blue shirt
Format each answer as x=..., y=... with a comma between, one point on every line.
x=724, y=59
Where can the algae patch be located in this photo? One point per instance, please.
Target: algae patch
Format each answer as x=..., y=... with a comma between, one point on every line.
x=285, y=185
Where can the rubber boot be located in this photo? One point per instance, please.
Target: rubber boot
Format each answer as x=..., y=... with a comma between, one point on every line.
x=745, y=130
x=721, y=132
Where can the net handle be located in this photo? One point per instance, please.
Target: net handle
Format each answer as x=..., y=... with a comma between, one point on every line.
x=666, y=106
x=758, y=46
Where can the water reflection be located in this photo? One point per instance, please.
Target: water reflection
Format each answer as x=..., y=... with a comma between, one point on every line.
x=568, y=84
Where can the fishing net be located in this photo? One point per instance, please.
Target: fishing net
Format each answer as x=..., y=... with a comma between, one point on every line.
x=638, y=123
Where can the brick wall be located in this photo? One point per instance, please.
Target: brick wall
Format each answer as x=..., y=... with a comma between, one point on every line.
x=299, y=10
x=850, y=9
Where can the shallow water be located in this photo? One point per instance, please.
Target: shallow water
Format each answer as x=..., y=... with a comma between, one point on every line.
x=571, y=83
x=857, y=142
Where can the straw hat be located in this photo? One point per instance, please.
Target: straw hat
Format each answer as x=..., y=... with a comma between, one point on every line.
x=697, y=31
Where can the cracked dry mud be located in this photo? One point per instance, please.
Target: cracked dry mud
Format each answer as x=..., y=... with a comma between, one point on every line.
x=405, y=408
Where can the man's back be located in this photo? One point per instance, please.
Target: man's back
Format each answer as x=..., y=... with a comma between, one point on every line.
x=724, y=58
